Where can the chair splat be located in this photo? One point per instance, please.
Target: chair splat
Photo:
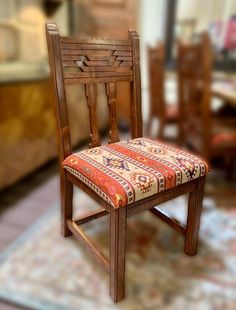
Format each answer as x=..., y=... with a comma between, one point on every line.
x=91, y=94
x=111, y=100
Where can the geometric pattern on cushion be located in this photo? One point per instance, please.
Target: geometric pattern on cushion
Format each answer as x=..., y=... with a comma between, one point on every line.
x=128, y=171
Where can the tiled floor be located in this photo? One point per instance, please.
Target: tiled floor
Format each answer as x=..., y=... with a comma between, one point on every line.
x=23, y=203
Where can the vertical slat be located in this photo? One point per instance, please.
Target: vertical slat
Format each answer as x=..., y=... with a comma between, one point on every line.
x=206, y=112
x=118, y=219
x=111, y=100
x=135, y=106
x=180, y=90
x=91, y=94
x=63, y=134
x=156, y=60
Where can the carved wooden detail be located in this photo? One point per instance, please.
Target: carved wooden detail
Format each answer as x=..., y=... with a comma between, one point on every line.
x=96, y=61
x=90, y=62
x=111, y=96
x=91, y=94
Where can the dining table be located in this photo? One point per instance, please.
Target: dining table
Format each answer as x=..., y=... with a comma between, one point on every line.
x=225, y=90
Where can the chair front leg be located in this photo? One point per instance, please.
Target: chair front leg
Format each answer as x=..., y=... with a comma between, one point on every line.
x=193, y=218
x=118, y=220
x=66, y=203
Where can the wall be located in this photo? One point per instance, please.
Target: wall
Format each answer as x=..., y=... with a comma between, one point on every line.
x=151, y=29
x=25, y=19
x=204, y=11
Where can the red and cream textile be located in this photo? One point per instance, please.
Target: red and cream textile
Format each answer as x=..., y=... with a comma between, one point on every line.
x=224, y=139
x=125, y=172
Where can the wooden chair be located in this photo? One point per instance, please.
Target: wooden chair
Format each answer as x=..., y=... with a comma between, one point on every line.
x=159, y=108
x=125, y=177
x=206, y=132
x=190, y=75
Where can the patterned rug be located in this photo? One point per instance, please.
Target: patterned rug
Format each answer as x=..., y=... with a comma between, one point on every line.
x=41, y=270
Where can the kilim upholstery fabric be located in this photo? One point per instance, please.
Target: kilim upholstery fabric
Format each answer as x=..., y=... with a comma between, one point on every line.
x=128, y=171
x=221, y=139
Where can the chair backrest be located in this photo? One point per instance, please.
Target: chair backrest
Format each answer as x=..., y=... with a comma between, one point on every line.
x=194, y=68
x=90, y=62
x=156, y=63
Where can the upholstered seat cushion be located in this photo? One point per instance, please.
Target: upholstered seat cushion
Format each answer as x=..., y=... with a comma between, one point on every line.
x=125, y=172
x=172, y=112
x=224, y=139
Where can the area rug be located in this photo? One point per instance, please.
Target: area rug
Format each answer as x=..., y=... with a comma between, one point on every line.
x=41, y=270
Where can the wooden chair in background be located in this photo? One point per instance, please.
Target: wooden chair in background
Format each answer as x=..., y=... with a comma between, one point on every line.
x=200, y=128
x=190, y=75
x=159, y=108
x=124, y=177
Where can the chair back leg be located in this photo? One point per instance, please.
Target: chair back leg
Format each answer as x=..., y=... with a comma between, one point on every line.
x=193, y=217
x=66, y=203
x=118, y=221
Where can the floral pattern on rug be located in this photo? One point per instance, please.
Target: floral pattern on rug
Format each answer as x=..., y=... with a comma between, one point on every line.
x=48, y=272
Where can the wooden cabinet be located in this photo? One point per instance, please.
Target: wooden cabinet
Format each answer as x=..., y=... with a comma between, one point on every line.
x=27, y=125
x=26, y=128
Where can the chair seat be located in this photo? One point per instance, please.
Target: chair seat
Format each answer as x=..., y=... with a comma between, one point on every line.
x=224, y=139
x=172, y=112
x=128, y=171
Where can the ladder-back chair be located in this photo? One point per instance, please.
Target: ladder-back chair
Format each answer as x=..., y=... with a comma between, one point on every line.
x=159, y=107
x=125, y=177
x=201, y=129
x=192, y=84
